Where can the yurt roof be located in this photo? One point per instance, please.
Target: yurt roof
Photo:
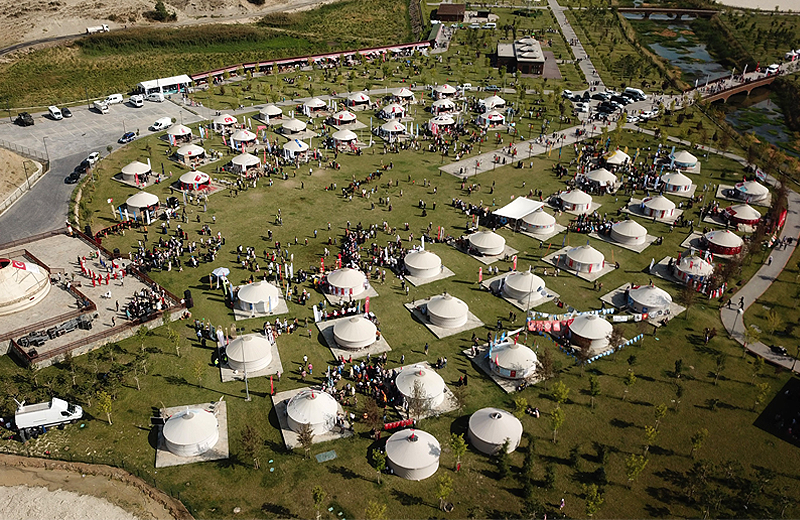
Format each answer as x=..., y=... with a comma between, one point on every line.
x=294, y=125
x=359, y=97
x=345, y=135
x=524, y=281
x=676, y=179
x=179, y=130
x=539, y=218
x=492, y=101
x=447, y=306
x=527, y=41
x=356, y=328
x=346, y=277
x=531, y=55
x=431, y=383
x=249, y=348
x=314, y=103
x=142, y=199
x=295, y=145
x=659, y=203
x=695, y=266
x=576, y=197
x=258, y=292
x=493, y=115
x=752, y=188
x=225, y=119
x=487, y=239
x=246, y=159
x=423, y=259
x=629, y=228
x=18, y=279
x=243, y=135
x=602, y=176
x=445, y=89
x=494, y=426
x=136, y=168
x=724, y=238
x=191, y=150
x=445, y=102
x=393, y=126
x=403, y=92
x=586, y=254
x=590, y=326
x=413, y=449
x=511, y=355
x=344, y=115
x=442, y=120
x=195, y=178
x=394, y=108
x=617, y=157
x=684, y=157
x=271, y=110
x=190, y=427
x=744, y=212
x=312, y=406
x=650, y=296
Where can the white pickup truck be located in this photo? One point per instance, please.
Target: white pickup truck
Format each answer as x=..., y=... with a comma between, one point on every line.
x=33, y=417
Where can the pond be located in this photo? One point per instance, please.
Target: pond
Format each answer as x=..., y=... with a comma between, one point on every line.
x=757, y=114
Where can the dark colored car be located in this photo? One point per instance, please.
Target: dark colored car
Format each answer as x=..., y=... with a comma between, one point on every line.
x=127, y=137
x=622, y=100
x=66, y=112
x=491, y=88
x=779, y=350
x=82, y=168
x=73, y=177
x=601, y=96
x=24, y=119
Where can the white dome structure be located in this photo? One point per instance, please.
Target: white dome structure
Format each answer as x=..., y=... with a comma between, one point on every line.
x=343, y=117
x=393, y=111
x=314, y=103
x=243, y=136
x=179, y=131
x=590, y=331
x=190, y=151
x=393, y=127
x=492, y=117
x=576, y=200
x=358, y=98
x=431, y=384
x=293, y=126
x=243, y=161
x=413, y=454
x=443, y=105
x=445, y=90
x=628, y=232
x=403, y=94
x=224, y=120
x=513, y=360
x=131, y=170
x=447, y=311
x=649, y=299
x=617, y=158
x=522, y=285
x=423, y=263
x=585, y=259
x=487, y=243
x=658, y=207
x=751, y=191
x=345, y=136
x=602, y=177
x=313, y=407
x=676, y=182
x=261, y=297
x=724, y=242
x=539, y=222
x=683, y=159
x=22, y=285
x=347, y=282
x=692, y=268
x=492, y=102
x=194, y=180
x=271, y=111
x=743, y=214
x=251, y=352
x=191, y=432
x=490, y=428
x=295, y=146
x=354, y=333
x=142, y=200
x=443, y=120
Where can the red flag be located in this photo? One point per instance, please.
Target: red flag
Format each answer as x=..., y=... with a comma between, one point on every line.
x=271, y=386
x=339, y=262
x=480, y=274
x=322, y=264
x=366, y=305
x=515, y=262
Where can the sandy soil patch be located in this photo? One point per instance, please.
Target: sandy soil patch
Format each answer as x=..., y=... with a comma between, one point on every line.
x=12, y=172
x=666, y=33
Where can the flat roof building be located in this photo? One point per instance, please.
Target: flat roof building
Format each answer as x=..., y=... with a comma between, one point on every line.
x=523, y=55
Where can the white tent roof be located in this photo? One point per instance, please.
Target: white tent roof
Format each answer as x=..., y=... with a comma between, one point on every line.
x=243, y=135
x=494, y=426
x=527, y=41
x=314, y=103
x=432, y=384
x=539, y=218
x=358, y=97
x=602, y=177
x=518, y=208
x=295, y=145
x=393, y=126
x=181, y=79
x=576, y=197
x=724, y=238
x=629, y=228
x=447, y=306
x=443, y=103
x=744, y=212
x=617, y=157
x=524, y=282
x=586, y=255
x=347, y=278
x=752, y=188
x=659, y=203
x=443, y=120
x=179, y=130
x=142, y=199
x=445, y=89
x=423, y=259
x=695, y=266
x=245, y=159
x=271, y=110
x=22, y=284
x=403, y=93
x=393, y=108
x=190, y=427
x=344, y=116
x=413, y=449
x=136, y=168
x=190, y=150
x=493, y=116
x=492, y=101
x=487, y=240
x=312, y=406
x=224, y=119
x=354, y=330
x=195, y=178
x=514, y=356
x=684, y=157
x=294, y=125
x=251, y=349
x=258, y=292
x=345, y=135
x=591, y=326
x=676, y=179
x=650, y=296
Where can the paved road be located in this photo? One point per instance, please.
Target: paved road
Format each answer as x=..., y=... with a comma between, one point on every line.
x=577, y=48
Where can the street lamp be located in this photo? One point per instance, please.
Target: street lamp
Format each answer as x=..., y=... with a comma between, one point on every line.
x=794, y=363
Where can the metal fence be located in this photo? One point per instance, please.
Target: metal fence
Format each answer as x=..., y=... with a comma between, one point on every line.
x=30, y=180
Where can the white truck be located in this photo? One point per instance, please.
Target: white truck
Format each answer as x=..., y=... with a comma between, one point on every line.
x=101, y=107
x=35, y=418
x=97, y=29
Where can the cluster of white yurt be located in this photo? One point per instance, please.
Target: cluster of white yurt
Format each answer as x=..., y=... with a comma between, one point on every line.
x=512, y=360
x=345, y=136
x=423, y=263
x=354, y=333
x=431, y=385
x=523, y=285
x=293, y=126
x=693, y=268
x=242, y=137
x=487, y=243
x=270, y=112
x=347, y=282
x=628, y=232
x=676, y=182
x=251, y=352
x=194, y=180
x=723, y=242
x=22, y=285
x=413, y=454
x=584, y=259
x=649, y=299
x=601, y=177
x=190, y=151
x=314, y=104
x=135, y=169
x=490, y=428
x=142, y=200
x=447, y=311
x=392, y=111
x=258, y=297
x=576, y=200
x=314, y=407
x=539, y=222
x=683, y=159
x=590, y=331
x=743, y=214
x=658, y=207
x=191, y=432
x=751, y=191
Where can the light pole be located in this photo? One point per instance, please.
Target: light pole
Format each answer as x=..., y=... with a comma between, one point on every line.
x=794, y=363
x=27, y=179
x=739, y=314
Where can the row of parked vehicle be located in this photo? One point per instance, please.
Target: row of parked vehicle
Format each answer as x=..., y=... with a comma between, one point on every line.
x=57, y=114
x=610, y=101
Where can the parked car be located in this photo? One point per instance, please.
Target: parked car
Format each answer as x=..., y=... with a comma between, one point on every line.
x=55, y=113
x=567, y=94
x=66, y=112
x=73, y=177
x=83, y=167
x=137, y=100
x=93, y=158
x=781, y=351
x=491, y=88
x=601, y=96
x=649, y=114
x=127, y=137
x=633, y=118
x=582, y=108
x=24, y=119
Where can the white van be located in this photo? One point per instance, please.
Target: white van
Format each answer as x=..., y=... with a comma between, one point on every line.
x=162, y=124
x=635, y=93
x=137, y=100
x=55, y=112
x=113, y=99
x=158, y=97
x=490, y=25
x=100, y=106
x=773, y=69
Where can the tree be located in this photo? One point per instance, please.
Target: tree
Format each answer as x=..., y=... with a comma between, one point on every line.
x=418, y=403
x=141, y=334
x=251, y=444
x=634, y=465
x=502, y=460
x=660, y=412
x=319, y=496
x=528, y=465
x=719, y=366
x=616, y=337
x=557, y=417
x=305, y=436
x=650, y=434
x=105, y=403
x=373, y=416
x=379, y=461
x=750, y=335
x=758, y=367
x=459, y=447
x=520, y=405
x=444, y=486
x=560, y=393
x=763, y=392
x=697, y=440
x=630, y=380
x=174, y=339
x=546, y=366
x=686, y=297
x=198, y=371
x=375, y=511
x=594, y=388
x=594, y=499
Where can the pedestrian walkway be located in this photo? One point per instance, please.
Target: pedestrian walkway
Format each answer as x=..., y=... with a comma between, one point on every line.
x=577, y=47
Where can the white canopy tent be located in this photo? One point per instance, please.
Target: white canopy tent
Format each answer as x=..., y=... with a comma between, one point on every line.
x=683, y=159
x=179, y=130
x=190, y=151
x=245, y=160
x=492, y=117
x=522, y=285
x=617, y=158
x=602, y=177
x=293, y=148
x=629, y=232
x=492, y=102
x=518, y=208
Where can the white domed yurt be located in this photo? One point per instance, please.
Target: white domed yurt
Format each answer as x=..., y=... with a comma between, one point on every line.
x=658, y=207
x=188, y=152
x=442, y=91
x=723, y=242
x=135, y=169
x=539, y=222
x=180, y=132
x=629, y=232
x=251, y=352
x=413, y=454
x=242, y=136
x=194, y=180
x=357, y=98
x=343, y=117
x=354, y=333
x=513, y=360
x=403, y=95
x=447, y=311
x=259, y=297
x=492, y=102
x=22, y=285
x=347, y=282
x=590, y=331
x=270, y=112
x=491, y=118
x=393, y=127
x=585, y=259
x=224, y=120
x=692, y=268
x=751, y=191
x=345, y=136
x=490, y=428
x=292, y=126
x=676, y=182
x=313, y=407
x=683, y=159
x=245, y=161
x=743, y=214
x=423, y=263
x=392, y=111
x=602, y=177
x=294, y=147
x=191, y=432
x=649, y=299
x=314, y=104
x=441, y=106
x=487, y=243
x=142, y=200
x=617, y=158
x=576, y=200
x=521, y=285
x=440, y=121
x=431, y=384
